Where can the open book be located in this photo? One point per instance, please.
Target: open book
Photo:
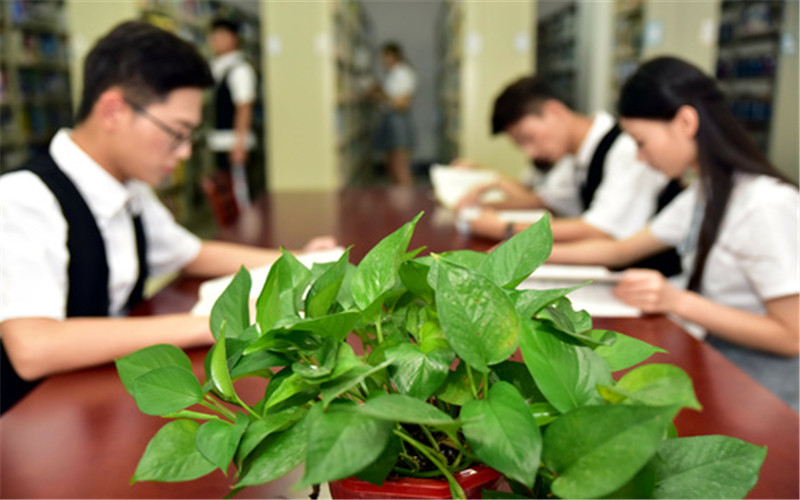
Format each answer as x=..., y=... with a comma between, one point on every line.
x=211, y=289
x=451, y=184
x=596, y=298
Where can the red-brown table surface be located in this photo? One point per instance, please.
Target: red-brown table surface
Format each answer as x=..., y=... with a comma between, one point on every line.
x=80, y=435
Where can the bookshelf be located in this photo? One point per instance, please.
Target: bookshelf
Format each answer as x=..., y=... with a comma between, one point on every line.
x=556, y=58
x=747, y=64
x=34, y=78
x=449, y=45
x=629, y=20
x=354, y=118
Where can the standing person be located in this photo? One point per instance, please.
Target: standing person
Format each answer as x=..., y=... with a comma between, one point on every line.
x=597, y=186
x=395, y=134
x=235, y=80
x=82, y=229
x=737, y=227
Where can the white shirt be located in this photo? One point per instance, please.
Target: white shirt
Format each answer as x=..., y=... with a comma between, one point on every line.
x=626, y=198
x=400, y=81
x=242, y=83
x=755, y=257
x=33, y=235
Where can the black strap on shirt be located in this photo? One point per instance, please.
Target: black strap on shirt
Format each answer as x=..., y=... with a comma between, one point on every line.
x=667, y=262
x=594, y=176
x=87, y=271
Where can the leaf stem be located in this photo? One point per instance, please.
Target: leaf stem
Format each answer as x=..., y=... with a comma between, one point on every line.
x=211, y=404
x=430, y=437
x=379, y=331
x=455, y=488
x=471, y=382
x=485, y=388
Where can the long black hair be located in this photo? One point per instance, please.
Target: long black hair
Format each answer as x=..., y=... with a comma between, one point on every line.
x=655, y=92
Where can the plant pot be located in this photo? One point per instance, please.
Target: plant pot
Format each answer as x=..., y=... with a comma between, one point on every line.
x=472, y=480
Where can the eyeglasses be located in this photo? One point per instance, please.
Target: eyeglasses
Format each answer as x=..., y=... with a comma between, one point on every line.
x=178, y=138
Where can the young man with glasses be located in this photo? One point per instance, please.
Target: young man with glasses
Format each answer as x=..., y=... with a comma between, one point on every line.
x=82, y=229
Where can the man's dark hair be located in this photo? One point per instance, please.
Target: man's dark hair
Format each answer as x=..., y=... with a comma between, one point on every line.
x=523, y=97
x=393, y=48
x=145, y=61
x=224, y=23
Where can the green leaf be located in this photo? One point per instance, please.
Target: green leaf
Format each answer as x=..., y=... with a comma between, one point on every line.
x=326, y=356
x=233, y=306
x=455, y=390
x=476, y=315
x=544, y=413
x=138, y=363
x=285, y=284
x=259, y=429
x=516, y=258
x=376, y=274
x=289, y=386
x=503, y=433
x=220, y=376
x=530, y=302
x=399, y=408
x=707, y=467
x=217, y=440
x=466, y=258
x=595, y=450
x=517, y=374
x=166, y=390
x=415, y=277
x=379, y=470
x=416, y=373
x=500, y=495
x=276, y=456
x=172, y=455
x=567, y=374
x=257, y=364
x=658, y=385
x=341, y=443
x=323, y=292
x=625, y=351
x=339, y=386
x=573, y=323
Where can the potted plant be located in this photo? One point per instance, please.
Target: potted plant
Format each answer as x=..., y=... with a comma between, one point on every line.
x=401, y=367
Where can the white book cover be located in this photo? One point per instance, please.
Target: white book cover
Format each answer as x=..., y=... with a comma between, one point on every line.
x=451, y=184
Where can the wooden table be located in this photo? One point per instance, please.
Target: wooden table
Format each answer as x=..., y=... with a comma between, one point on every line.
x=80, y=435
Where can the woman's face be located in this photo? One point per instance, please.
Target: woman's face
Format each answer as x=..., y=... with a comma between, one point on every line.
x=667, y=146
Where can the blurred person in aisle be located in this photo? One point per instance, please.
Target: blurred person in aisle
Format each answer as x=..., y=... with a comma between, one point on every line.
x=235, y=87
x=596, y=187
x=82, y=228
x=737, y=227
x=395, y=134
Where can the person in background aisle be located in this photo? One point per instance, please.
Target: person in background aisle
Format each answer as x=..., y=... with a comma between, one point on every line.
x=395, y=135
x=597, y=186
x=737, y=227
x=234, y=96
x=82, y=229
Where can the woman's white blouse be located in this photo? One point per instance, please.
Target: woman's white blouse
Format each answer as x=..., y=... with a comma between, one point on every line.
x=755, y=257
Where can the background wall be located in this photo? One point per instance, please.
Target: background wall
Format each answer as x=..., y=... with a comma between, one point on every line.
x=412, y=25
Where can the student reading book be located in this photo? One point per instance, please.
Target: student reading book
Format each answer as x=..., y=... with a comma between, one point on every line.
x=82, y=229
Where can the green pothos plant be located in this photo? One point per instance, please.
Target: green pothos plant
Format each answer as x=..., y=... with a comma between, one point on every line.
x=401, y=366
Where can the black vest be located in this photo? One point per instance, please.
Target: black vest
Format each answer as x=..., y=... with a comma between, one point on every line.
x=667, y=262
x=224, y=108
x=87, y=271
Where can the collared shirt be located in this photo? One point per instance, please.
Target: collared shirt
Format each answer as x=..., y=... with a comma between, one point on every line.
x=242, y=83
x=33, y=235
x=755, y=256
x=625, y=199
x=400, y=81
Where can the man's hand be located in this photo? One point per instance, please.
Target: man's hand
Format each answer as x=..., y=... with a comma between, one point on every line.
x=489, y=225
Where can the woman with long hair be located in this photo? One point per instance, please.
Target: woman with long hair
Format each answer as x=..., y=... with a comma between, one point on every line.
x=736, y=226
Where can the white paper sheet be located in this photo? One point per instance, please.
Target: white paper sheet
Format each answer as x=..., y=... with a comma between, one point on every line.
x=450, y=184
x=211, y=290
x=595, y=298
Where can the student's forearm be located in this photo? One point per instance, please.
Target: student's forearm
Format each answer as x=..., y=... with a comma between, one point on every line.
x=242, y=122
x=218, y=258
x=762, y=332
x=574, y=229
x=38, y=347
x=607, y=252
